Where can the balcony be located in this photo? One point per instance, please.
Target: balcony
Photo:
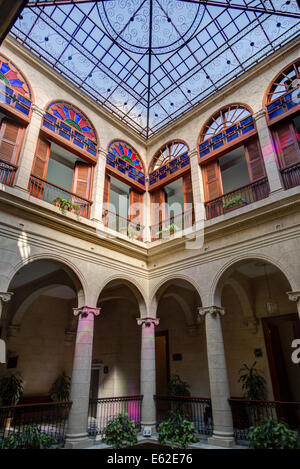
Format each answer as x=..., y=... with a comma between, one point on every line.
x=123, y=225
x=240, y=197
x=49, y=192
x=172, y=225
x=7, y=173
x=291, y=176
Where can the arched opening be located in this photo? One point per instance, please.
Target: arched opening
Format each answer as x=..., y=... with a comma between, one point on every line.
x=65, y=157
x=124, y=190
x=259, y=326
x=170, y=186
x=231, y=160
x=39, y=327
x=115, y=379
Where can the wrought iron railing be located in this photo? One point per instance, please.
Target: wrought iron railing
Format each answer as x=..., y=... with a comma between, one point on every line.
x=291, y=176
x=238, y=198
x=51, y=418
x=172, y=225
x=120, y=224
x=101, y=411
x=197, y=409
x=246, y=414
x=7, y=173
x=49, y=192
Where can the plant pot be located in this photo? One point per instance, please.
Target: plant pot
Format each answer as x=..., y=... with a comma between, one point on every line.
x=234, y=207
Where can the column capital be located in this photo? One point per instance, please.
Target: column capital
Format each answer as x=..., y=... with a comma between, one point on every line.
x=38, y=111
x=147, y=321
x=5, y=297
x=293, y=295
x=193, y=153
x=212, y=310
x=86, y=310
x=259, y=114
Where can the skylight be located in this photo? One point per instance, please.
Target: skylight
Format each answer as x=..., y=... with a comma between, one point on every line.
x=151, y=61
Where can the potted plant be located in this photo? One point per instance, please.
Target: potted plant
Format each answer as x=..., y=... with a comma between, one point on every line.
x=177, y=431
x=131, y=232
x=177, y=387
x=60, y=390
x=31, y=437
x=11, y=390
x=120, y=432
x=234, y=203
x=170, y=229
x=65, y=205
x=271, y=434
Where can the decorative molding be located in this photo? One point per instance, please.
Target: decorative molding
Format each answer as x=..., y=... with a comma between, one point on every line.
x=259, y=114
x=148, y=322
x=212, y=310
x=5, y=297
x=293, y=295
x=85, y=311
x=38, y=111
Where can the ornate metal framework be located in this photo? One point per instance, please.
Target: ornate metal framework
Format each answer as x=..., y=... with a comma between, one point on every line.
x=71, y=124
x=124, y=161
x=15, y=91
x=150, y=61
x=283, y=95
x=167, y=153
x=224, y=128
x=169, y=161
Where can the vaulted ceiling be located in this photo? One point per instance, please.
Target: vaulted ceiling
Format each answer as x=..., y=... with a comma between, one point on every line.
x=150, y=61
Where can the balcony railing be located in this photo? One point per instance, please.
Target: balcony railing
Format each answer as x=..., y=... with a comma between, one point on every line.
x=246, y=414
x=291, y=176
x=51, y=418
x=120, y=224
x=172, y=225
x=49, y=192
x=238, y=198
x=101, y=411
x=197, y=409
x=7, y=173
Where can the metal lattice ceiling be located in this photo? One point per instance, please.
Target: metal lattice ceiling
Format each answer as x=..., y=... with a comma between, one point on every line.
x=151, y=61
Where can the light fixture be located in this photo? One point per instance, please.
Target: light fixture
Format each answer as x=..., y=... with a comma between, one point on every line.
x=271, y=305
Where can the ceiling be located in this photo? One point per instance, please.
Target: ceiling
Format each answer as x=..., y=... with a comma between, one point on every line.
x=150, y=61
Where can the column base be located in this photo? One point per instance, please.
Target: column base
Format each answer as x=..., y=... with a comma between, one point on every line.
x=148, y=429
x=226, y=440
x=78, y=441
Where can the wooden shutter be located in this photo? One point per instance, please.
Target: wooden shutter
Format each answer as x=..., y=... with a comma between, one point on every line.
x=157, y=199
x=136, y=207
x=11, y=136
x=212, y=178
x=41, y=158
x=188, y=199
x=287, y=144
x=106, y=199
x=255, y=161
x=82, y=180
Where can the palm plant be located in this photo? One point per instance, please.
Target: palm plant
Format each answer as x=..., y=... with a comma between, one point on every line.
x=60, y=390
x=11, y=389
x=254, y=384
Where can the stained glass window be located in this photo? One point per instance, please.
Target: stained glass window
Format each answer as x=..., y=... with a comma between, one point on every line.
x=127, y=153
x=169, y=152
x=286, y=81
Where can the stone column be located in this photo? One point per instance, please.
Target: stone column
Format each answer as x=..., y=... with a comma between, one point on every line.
x=77, y=436
x=198, y=189
x=219, y=387
x=148, y=371
x=98, y=189
x=295, y=296
x=4, y=298
x=268, y=151
x=28, y=149
x=147, y=217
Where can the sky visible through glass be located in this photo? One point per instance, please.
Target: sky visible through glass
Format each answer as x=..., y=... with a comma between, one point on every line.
x=150, y=61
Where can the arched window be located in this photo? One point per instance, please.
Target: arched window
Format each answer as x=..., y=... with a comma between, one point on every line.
x=282, y=101
x=65, y=157
x=124, y=189
x=15, y=112
x=231, y=160
x=175, y=150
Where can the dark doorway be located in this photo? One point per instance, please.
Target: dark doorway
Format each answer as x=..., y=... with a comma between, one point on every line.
x=162, y=362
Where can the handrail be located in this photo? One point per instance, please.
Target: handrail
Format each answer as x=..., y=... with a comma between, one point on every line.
x=187, y=212
x=61, y=188
x=40, y=404
x=236, y=190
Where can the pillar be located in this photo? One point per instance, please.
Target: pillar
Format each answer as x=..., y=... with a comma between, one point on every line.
x=98, y=189
x=268, y=151
x=77, y=436
x=198, y=188
x=218, y=378
x=28, y=149
x=148, y=372
x=4, y=298
x=295, y=296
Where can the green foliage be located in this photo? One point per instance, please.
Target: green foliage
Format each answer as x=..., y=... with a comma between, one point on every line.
x=120, y=432
x=174, y=228
x=131, y=232
x=177, y=431
x=254, y=384
x=31, y=437
x=177, y=387
x=65, y=205
x=11, y=389
x=60, y=390
x=234, y=201
x=272, y=434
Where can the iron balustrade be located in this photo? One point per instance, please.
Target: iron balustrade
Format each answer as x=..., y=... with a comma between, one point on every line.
x=175, y=224
x=51, y=418
x=123, y=225
x=246, y=414
x=49, y=192
x=7, y=173
x=103, y=410
x=243, y=196
x=291, y=176
x=197, y=409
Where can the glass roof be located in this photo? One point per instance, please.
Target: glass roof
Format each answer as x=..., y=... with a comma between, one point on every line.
x=151, y=61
